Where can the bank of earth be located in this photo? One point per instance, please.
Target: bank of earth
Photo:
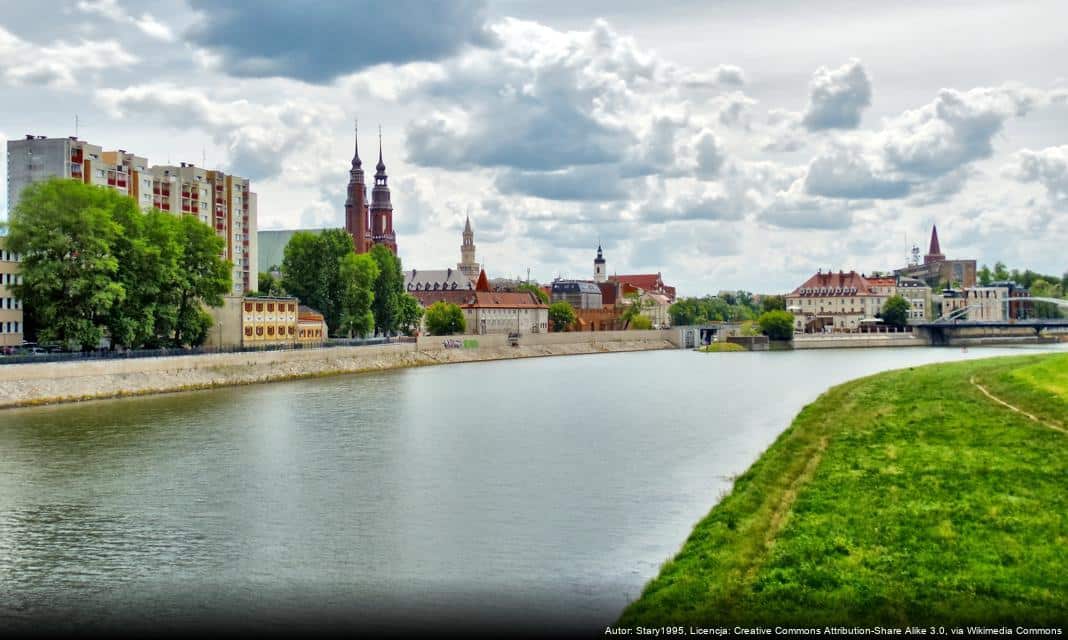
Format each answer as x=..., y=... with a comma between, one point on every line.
x=933, y=495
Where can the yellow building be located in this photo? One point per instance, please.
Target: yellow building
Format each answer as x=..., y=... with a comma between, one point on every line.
x=253, y=322
x=11, y=327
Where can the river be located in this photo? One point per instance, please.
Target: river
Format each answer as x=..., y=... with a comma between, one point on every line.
x=541, y=493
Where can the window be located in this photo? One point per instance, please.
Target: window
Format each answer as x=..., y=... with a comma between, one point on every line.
x=248, y=331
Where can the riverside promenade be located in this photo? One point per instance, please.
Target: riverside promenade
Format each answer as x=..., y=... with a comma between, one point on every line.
x=56, y=382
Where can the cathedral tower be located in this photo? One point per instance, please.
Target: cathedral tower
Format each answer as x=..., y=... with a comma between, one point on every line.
x=381, y=207
x=467, y=264
x=356, y=204
x=599, y=274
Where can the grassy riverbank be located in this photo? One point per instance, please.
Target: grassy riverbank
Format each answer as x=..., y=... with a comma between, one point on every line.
x=909, y=497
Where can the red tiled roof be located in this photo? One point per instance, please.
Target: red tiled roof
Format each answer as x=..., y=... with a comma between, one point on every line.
x=481, y=299
x=483, y=282
x=830, y=283
x=608, y=292
x=647, y=281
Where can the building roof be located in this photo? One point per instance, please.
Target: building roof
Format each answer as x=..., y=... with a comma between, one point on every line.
x=882, y=281
x=647, y=281
x=608, y=292
x=829, y=284
x=307, y=314
x=437, y=280
x=575, y=286
x=481, y=299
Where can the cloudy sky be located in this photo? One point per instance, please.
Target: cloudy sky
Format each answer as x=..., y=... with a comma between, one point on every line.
x=725, y=144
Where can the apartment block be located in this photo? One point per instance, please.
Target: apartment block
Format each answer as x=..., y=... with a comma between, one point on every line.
x=11, y=327
x=220, y=200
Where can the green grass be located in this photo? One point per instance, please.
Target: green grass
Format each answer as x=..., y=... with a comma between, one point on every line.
x=907, y=497
x=721, y=347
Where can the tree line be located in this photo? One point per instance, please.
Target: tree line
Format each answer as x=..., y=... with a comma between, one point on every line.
x=95, y=265
x=358, y=294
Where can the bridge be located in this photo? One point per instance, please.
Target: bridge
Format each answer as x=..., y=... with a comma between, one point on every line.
x=953, y=325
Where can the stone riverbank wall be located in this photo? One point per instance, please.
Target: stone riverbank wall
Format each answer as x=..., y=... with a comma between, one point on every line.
x=54, y=382
x=846, y=341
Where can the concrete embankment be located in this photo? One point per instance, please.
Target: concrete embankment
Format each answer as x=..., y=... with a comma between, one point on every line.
x=48, y=383
x=858, y=341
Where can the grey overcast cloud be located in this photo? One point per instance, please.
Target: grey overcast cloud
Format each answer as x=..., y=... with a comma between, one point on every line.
x=726, y=144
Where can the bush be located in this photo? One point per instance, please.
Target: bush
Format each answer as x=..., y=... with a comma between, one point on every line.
x=561, y=315
x=721, y=347
x=445, y=318
x=641, y=323
x=896, y=311
x=777, y=325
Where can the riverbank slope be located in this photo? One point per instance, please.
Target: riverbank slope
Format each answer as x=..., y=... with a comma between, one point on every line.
x=924, y=496
x=50, y=383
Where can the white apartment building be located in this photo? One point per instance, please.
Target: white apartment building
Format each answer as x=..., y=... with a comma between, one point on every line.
x=222, y=201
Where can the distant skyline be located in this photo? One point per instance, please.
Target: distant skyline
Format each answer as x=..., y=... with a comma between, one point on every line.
x=726, y=145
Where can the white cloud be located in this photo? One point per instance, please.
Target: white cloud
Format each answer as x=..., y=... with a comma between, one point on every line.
x=59, y=65
x=260, y=139
x=1048, y=167
x=111, y=10
x=837, y=97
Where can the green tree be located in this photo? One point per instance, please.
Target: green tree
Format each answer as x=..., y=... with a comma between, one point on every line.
x=641, y=323
x=1041, y=288
x=685, y=312
x=409, y=313
x=536, y=290
x=1000, y=272
x=561, y=315
x=65, y=231
x=634, y=307
x=986, y=276
x=388, y=289
x=444, y=319
x=311, y=271
x=269, y=286
x=358, y=274
x=895, y=311
x=203, y=279
x=777, y=325
x=148, y=250
x=773, y=303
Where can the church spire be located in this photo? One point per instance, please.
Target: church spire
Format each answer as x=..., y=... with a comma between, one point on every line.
x=356, y=163
x=381, y=166
x=934, y=253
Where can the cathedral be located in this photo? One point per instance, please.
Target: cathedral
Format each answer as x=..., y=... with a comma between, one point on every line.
x=369, y=224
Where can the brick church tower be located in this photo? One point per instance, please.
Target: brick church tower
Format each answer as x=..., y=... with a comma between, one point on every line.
x=381, y=207
x=356, y=204
x=369, y=224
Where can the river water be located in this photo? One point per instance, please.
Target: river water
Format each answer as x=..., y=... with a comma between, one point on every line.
x=541, y=493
